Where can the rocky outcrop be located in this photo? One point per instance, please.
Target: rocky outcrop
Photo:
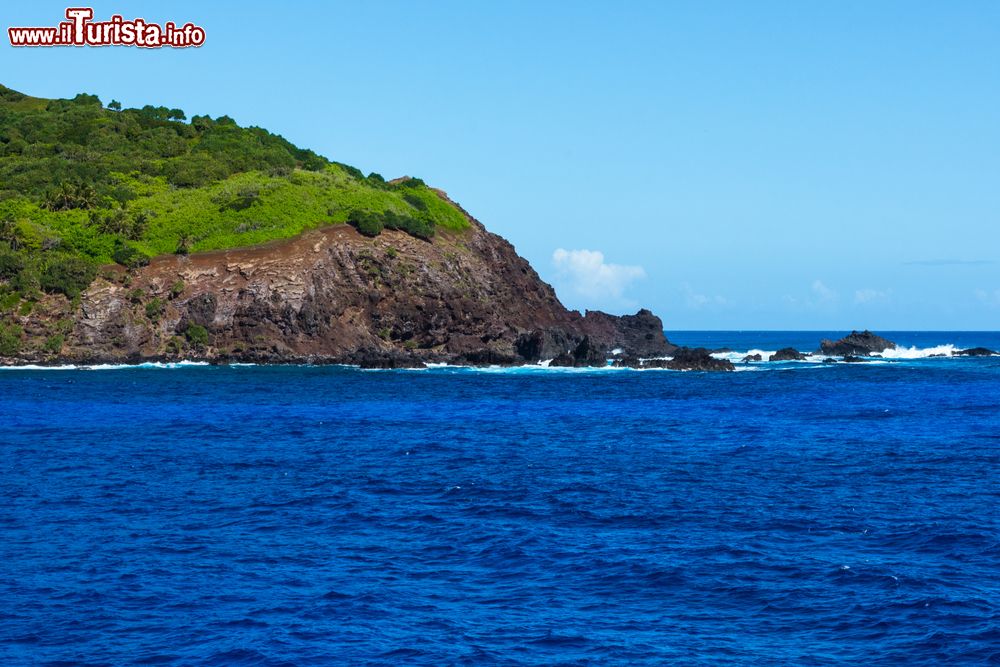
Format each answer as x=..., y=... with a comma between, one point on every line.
x=862, y=344
x=698, y=359
x=586, y=354
x=682, y=359
x=975, y=352
x=787, y=354
x=752, y=357
x=334, y=296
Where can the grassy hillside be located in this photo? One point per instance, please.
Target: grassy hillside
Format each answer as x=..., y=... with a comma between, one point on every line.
x=82, y=184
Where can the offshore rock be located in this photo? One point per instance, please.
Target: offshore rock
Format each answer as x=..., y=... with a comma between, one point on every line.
x=975, y=352
x=787, y=354
x=857, y=344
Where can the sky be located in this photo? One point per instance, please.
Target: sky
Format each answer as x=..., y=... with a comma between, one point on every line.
x=729, y=165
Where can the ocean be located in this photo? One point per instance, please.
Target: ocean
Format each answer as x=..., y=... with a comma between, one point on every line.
x=790, y=513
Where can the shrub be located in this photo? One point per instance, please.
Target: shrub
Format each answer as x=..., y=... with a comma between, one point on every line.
x=176, y=289
x=11, y=264
x=415, y=226
x=174, y=345
x=27, y=282
x=128, y=256
x=367, y=224
x=9, y=300
x=197, y=335
x=415, y=201
x=154, y=309
x=411, y=182
x=184, y=244
x=239, y=198
x=54, y=343
x=10, y=340
x=68, y=275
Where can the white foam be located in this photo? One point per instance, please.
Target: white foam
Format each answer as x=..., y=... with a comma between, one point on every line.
x=737, y=357
x=106, y=367
x=947, y=350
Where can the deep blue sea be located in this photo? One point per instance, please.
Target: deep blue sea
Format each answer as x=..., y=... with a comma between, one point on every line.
x=796, y=513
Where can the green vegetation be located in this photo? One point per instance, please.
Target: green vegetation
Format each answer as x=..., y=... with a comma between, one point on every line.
x=10, y=339
x=154, y=309
x=197, y=335
x=54, y=343
x=83, y=185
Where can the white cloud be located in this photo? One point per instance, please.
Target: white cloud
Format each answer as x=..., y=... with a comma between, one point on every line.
x=590, y=277
x=869, y=295
x=697, y=301
x=991, y=299
x=822, y=292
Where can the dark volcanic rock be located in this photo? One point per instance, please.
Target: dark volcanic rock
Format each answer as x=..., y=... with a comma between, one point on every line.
x=371, y=360
x=856, y=344
x=586, y=354
x=697, y=359
x=684, y=359
x=787, y=354
x=752, y=357
x=851, y=359
x=639, y=335
x=564, y=360
x=489, y=357
x=975, y=352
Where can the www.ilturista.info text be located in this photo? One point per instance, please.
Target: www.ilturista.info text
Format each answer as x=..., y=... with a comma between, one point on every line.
x=81, y=30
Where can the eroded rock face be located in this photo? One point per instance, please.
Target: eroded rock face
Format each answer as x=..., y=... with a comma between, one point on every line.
x=856, y=344
x=334, y=296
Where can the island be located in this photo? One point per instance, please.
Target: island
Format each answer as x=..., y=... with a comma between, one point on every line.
x=132, y=235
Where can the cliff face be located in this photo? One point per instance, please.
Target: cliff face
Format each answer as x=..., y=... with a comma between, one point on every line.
x=334, y=296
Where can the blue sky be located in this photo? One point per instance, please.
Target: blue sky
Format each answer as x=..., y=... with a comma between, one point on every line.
x=729, y=165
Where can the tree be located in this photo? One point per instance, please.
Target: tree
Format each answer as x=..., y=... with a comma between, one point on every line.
x=71, y=195
x=176, y=114
x=8, y=232
x=115, y=105
x=184, y=244
x=66, y=274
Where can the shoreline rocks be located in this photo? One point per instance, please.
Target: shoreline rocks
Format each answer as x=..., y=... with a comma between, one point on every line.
x=975, y=352
x=683, y=359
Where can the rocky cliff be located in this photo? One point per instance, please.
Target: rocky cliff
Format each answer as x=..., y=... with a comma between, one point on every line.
x=335, y=296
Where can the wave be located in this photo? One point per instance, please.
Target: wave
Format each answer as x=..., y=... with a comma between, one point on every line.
x=765, y=355
x=947, y=350
x=897, y=354
x=109, y=367
x=812, y=359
